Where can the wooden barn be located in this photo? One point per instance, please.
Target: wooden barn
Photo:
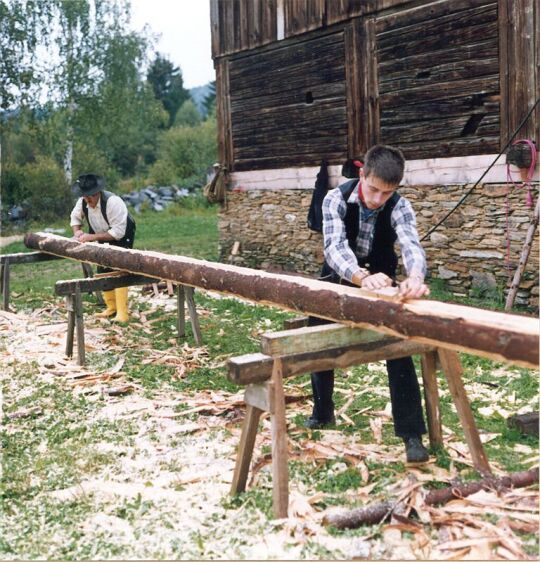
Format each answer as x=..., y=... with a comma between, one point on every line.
x=446, y=81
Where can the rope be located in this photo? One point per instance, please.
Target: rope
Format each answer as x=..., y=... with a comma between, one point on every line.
x=460, y=202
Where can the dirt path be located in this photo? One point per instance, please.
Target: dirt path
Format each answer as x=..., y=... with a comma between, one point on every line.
x=7, y=240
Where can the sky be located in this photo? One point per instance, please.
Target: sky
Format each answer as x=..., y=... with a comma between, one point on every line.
x=184, y=26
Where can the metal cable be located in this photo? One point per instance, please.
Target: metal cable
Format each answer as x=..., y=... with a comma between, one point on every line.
x=459, y=203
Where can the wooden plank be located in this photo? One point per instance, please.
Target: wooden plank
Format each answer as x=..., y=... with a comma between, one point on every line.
x=280, y=471
x=431, y=396
x=257, y=395
x=483, y=48
x=79, y=324
x=315, y=338
x=250, y=368
x=100, y=283
x=70, y=325
x=27, y=257
x=504, y=71
x=303, y=15
x=354, y=81
x=245, y=449
x=193, y=316
x=507, y=337
x=180, y=311
x=257, y=367
x=453, y=372
x=5, y=284
x=296, y=322
x=450, y=24
x=425, y=171
x=424, y=12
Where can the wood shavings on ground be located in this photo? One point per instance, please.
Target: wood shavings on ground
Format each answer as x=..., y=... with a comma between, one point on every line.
x=164, y=491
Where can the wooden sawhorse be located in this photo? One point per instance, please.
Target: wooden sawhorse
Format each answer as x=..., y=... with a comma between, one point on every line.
x=72, y=290
x=7, y=260
x=330, y=346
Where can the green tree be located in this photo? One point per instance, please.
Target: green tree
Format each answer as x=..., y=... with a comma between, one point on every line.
x=188, y=115
x=209, y=101
x=185, y=153
x=168, y=85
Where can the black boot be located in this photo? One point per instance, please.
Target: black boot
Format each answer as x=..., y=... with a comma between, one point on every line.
x=415, y=451
x=322, y=384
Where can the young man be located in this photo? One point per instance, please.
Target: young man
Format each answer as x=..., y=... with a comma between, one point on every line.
x=109, y=222
x=362, y=220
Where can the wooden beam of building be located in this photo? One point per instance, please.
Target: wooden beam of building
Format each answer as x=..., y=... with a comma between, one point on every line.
x=506, y=337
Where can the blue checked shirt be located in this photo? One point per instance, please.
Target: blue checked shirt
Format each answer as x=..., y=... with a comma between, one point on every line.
x=337, y=251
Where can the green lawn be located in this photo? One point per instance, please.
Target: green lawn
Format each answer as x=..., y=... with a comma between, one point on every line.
x=68, y=441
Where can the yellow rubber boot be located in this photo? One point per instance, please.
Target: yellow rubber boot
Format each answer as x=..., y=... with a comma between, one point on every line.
x=110, y=300
x=122, y=314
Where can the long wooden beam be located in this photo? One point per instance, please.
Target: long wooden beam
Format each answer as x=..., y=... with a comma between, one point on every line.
x=506, y=337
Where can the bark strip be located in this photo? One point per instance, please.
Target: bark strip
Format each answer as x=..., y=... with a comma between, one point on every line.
x=495, y=335
x=378, y=512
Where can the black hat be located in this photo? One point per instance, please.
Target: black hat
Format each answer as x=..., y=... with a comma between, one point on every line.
x=88, y=184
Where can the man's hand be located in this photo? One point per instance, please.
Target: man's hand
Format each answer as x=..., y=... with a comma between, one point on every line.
x=87, y=237
x=376, y=281
x=413, y=288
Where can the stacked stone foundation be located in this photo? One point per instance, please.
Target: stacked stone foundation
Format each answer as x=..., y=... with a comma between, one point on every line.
x=473, y=251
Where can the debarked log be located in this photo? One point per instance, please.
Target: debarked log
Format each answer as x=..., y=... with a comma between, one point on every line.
x=376, y=513
x=507, y=337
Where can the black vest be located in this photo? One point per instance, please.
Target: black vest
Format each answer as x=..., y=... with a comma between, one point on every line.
x=382, y=258
x=129, y=236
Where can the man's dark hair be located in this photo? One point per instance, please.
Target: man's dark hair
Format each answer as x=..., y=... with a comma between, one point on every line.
x=386, y=163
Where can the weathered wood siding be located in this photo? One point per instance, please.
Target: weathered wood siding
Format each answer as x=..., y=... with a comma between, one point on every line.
x=442, y=78
x=438, y=79
x=288, y=103
x=239, y=25
x=519, y=34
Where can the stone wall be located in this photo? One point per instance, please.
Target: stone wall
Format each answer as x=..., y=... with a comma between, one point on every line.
x=267, y=229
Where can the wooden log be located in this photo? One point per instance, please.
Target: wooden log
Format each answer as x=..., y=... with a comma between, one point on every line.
x=507, y=337
x=378, y=512
x=257, y=367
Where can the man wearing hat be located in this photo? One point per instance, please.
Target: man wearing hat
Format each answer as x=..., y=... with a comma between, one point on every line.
x=108, y=222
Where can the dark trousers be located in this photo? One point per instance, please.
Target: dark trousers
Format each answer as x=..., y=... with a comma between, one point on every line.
x=404, y=393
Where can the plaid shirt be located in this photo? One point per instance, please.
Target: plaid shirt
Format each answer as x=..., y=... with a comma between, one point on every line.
x=337, y=251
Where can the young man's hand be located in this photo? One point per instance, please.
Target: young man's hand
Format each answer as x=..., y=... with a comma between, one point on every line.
x=376, y=281
x=413, y=288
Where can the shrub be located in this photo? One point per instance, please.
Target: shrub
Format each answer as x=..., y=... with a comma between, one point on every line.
x=188, y=115
x=184, y=152
x=47, y=191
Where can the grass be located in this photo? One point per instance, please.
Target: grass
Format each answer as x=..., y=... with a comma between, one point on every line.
x=60, y=447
